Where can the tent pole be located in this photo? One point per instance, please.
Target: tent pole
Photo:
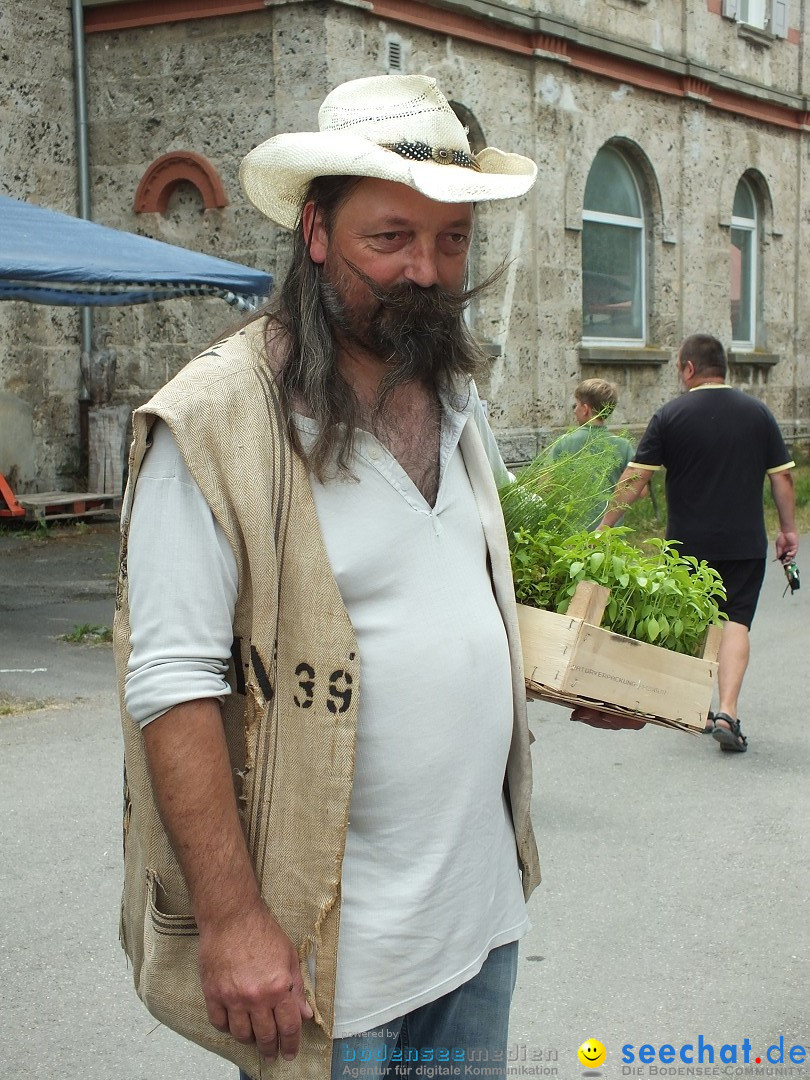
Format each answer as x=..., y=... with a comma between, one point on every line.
x=83, y=170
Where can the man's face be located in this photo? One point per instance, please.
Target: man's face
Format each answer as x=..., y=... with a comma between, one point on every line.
x=394, y=236
x=582, y=412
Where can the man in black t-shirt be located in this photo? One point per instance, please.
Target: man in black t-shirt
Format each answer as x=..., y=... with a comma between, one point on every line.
x=717, y=446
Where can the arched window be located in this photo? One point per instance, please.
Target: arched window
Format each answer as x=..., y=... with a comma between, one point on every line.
x=475, y=135
x=744, y=257
x=613, y=253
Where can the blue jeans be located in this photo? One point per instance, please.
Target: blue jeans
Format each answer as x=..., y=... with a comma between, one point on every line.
x=470, y=1024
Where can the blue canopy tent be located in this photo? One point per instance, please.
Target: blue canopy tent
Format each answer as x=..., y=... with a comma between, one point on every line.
x=52, y=258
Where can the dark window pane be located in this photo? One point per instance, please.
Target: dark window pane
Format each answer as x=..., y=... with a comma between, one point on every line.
x=744, y=205
x=611, y=281
x=610, y=188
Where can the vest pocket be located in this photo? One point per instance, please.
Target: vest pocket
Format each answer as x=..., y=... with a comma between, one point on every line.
x=160, y=922
x=169, y=971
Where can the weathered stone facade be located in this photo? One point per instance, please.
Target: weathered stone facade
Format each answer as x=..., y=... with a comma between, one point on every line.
x=695, y=101
x=38, y=359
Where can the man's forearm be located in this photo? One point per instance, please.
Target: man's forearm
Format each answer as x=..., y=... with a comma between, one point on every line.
x=249, y=970
x=784, y=499
x=631, y=484
x=193, y=784
x=787, y=542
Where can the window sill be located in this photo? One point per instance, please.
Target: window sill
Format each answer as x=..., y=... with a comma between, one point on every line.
x=755, y=34
x=752, y=359
x=628, y=355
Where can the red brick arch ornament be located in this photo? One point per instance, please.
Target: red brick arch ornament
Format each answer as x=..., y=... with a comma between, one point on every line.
x=176, y=167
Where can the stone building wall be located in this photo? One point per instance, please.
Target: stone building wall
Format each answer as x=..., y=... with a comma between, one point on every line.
x=691, y=158
x=219, y=86
x=656, y=24
x=205, y=86
x=696, y=30
x=39, y=372
x=728, y=48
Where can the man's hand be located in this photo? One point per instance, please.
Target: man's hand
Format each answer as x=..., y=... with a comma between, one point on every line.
x=613, y=721
x=252, y=982
x=787, y=544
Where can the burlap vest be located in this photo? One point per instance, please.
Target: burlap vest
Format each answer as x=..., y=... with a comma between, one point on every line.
x=291, y=718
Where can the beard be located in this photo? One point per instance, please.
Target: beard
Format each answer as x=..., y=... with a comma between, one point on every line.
x=418, y=333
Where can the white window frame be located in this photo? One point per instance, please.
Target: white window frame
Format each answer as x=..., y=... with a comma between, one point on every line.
x=751, y=286
x=770, y=16
x=598, y=217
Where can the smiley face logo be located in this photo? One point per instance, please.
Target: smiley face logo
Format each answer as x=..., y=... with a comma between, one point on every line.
x=592, y=1054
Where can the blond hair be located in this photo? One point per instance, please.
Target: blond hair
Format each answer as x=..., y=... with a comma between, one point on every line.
x=601, y=395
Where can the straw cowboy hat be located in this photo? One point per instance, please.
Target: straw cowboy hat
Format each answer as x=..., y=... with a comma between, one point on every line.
x=393, y=127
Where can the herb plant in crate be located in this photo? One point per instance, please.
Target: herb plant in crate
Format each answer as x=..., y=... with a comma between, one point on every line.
x=607, y=597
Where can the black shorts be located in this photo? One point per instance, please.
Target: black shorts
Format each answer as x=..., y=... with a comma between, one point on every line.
x=743, y=580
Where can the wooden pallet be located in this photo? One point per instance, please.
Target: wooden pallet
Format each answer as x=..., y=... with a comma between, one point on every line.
x=61, y=505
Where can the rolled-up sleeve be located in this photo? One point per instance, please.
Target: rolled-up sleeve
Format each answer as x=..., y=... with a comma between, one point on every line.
x=183, y=584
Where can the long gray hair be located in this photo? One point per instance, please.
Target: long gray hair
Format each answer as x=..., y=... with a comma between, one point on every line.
x=303, y=324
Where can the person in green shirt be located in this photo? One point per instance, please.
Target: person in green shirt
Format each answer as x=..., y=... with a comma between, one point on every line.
x=595, y=400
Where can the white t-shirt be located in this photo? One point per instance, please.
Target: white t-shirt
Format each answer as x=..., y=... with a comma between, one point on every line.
x=430, y=879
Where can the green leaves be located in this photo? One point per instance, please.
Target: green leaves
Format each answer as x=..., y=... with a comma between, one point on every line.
x=661, y=597
x=657, y=596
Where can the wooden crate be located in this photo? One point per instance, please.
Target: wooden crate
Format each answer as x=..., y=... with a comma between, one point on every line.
x=571, y=660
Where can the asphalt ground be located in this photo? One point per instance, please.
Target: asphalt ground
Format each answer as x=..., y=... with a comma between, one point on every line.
x=674, y=905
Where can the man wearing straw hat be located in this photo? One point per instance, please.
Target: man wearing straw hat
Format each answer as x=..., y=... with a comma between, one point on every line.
x=327, y=835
